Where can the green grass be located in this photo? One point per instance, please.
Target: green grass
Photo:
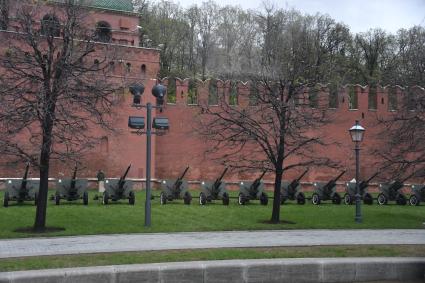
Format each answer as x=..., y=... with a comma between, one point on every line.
x=207, y=254
x=175, y=217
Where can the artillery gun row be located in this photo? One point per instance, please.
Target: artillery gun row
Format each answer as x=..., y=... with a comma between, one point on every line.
x=73, y=189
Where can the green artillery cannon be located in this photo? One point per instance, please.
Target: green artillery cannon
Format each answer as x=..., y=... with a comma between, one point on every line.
x=252, y=191
x=326, y=191
x=116, y=189
x=292, y=191
x=391, y=191
x=418, y=194
x=214, y=191
x=350, y=195
x=175, y=189
x=21, y=190
x=71, y=189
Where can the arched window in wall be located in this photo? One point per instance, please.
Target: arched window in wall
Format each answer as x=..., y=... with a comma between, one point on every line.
x=233, y=95
x=50, y=26
x=143, y=70
x=192, y=93
x=128, y=68
x=103, y=32
x=171, y=90
x=212, y=93
x=352, y=98
x=372, y=97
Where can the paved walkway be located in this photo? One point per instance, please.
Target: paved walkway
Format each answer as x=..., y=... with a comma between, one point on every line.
x=196, y=240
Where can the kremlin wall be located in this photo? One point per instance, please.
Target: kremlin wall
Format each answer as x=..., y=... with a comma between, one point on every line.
x=180, y=146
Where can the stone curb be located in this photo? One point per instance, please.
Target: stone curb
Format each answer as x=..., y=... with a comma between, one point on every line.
x=262, y=270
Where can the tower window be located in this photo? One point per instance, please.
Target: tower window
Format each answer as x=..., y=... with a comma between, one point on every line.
x=103, y=32
x=50, y=26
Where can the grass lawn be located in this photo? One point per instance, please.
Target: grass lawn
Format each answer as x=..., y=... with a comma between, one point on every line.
x=85, y=260
x=120, y=217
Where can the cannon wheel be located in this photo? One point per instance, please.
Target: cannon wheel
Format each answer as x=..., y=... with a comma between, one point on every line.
x=131, y=198
x=6, y=199
x=315, y=199
x=202, y=199
x=368, y=199
x=301, y=198
x=162, y=199
x=85, y=198
x=226, y=199
x=336, y=199
x=413, y=200
x=105, y=198
x=264, y=199
x=347, y=199
x=241, y=199
x=57, y=199
x=382, y=199
x=401, y=199
x=187, y=198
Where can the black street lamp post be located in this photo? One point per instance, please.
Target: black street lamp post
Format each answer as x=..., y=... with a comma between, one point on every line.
x=357, y=133
x=158, y=123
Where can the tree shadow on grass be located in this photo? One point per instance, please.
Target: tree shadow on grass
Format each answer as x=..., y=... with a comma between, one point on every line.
x=31, y=230
x=280, y=222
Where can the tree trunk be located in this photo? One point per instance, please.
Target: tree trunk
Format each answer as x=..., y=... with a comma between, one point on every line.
x=276, y=195
x=40, y=216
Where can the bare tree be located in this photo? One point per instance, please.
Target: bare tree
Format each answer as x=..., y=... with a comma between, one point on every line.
x=273, y=132
x=207, y=22
x=52, y=91
x=403, y=152
x=4, y=14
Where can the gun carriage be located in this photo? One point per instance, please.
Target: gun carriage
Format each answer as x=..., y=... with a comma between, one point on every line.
x=21, y=190
x=214, y=191
x=292, y=190
x=417, y=195
x=71, y=189
x=175, y=189
x=392, y=191
x=117, y=189
x=253, y=191
x=350, y=192
x=326, y=191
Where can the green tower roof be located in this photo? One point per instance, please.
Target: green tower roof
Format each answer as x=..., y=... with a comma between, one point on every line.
x=117, y=5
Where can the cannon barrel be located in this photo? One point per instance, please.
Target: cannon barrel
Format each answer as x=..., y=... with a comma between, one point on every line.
x=74, y=177
x=296, y=182
x=179, y=180
x=184, y=173
x=24, y=179
x=364, y=184
x=257, y=181
x=121, y=182
x=218, y=181
x=332, y=182
x=396, y=185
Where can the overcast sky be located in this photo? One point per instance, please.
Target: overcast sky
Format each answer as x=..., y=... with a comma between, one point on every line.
x=359, y=15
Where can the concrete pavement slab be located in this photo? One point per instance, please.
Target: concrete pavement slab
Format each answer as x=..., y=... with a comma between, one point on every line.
x=196, y=240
